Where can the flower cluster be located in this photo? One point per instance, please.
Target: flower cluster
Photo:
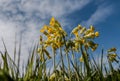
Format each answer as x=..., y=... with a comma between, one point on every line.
x=56, y=37
x=55, y=34
x=112, y=55
x=43, y=51
x=84, y=37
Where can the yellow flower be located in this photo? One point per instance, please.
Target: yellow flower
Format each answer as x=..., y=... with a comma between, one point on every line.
x=76, y=29
x=92, y=45
x=96, y=34
x=57, y=24
x=43, y=29
x=52, y=21
x=92, y=28
x=83, y=41
x=77, y=46
x=40, y=38
x=82, y=30
x=112, y=50
x=46, y=33
x=90, y=35
x=59, y=44
x=112, y=57
x=50, y=30
x=81, y=59
x=38, y=50
x=76, y=34
x=88, y=31
x=54, y=46
x=79, y=26
x=66, y=78
x=52, y=77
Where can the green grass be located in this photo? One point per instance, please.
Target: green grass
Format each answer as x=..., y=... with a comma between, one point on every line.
x=35, y=69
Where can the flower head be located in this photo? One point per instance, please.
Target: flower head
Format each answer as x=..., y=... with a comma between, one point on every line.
x=52, y=21
x=55, y=34
x=84, y=37
x=96, y=34
x=112, y=50
x=81, y=59
x=112, y=57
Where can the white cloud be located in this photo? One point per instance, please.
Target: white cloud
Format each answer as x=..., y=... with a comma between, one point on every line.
x=53, y=7
x=100, y=15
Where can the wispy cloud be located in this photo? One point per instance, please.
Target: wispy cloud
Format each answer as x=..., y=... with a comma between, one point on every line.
x=103, y=11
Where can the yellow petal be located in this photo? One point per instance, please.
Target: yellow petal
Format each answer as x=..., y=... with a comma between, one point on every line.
x=52, y=21
x=52, y=77
x=81, y=59
x=96, y=34
x=112, y=49
x=82, y=30
x=43, y=29
x=92, y=28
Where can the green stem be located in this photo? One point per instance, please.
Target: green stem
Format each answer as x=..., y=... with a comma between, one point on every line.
x=62, y=64
x=54, y=63
x=85, y=56
x=68, y=60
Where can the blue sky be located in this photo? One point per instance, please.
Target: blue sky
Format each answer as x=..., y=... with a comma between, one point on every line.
x=27, y=17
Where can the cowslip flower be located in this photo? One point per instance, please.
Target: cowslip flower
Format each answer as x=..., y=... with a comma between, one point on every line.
x=112, y=50
x=96, y=34
x=112, y=57
x=75, y=30
x=82, y=30
x=54, y=33
x=92, y=45
x=85, y=37
x=42, y=51
x=81, y=59
x=52, y=21
x=52, y=77
x=90, y=35
x=43, y=29
x=92, y=28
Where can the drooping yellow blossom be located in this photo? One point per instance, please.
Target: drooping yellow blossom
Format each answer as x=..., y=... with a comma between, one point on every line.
x=43, y=29
x=112, y=54
x=83, y=36
x=92, y=28
x=112, y=57
x=82, y=30
x=51, y=30
x=82, y=41
x=90, y=35
x=92, y=45
x=77, y=45
x=75, y=30
x=52, y=77
x=42, y=51
x=66, y=78
x=96, y=34
x=52, y=21
x=55, y=34
x=112, y=50
x=81, y=59
x=88, y=31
